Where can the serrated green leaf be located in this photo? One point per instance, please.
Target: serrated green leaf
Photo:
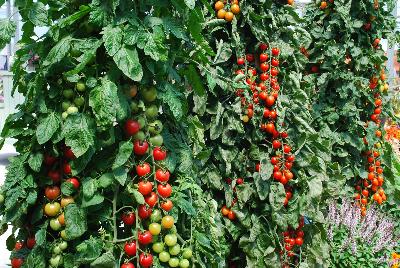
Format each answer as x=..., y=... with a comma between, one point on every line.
x=124, y=152
x=38, y=14
x=102, y=99
x=75, y=221
x=7, y=30
x=58, y=52
x=47, y=127
x=79, y=133
x=112, y=37
x=127, y=60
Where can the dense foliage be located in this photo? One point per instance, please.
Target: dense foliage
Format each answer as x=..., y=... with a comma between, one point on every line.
x=194, y=133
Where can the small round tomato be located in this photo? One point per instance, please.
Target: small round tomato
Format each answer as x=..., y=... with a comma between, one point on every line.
x=275, y=51
x=162, y=175
x=158, y=247
x=175, y=250
x=52, y=209
x=145, y=237
x=18, y=245
x=287, y=149
x=144, y=212
x=143, y=169
x=170, y=240
x=159, y=154
x=68, y=153
x=74, y=181
x=263, y=57
x=67, y=168
x=131, y=127
x=16, y=262
x=145, y=187
x=164, y=190
x=140, y=147
x=49, y=160
x=128, y=218
x=299, y=241
x=240, y=61
x=31, y=242
x=167, y=222
x=130, y=248
x=250, y=57
x=164, y=256
x=54, y=175
x=127, y=265
x=235, y=9
x=275, y=62
x=270, y=100
x=167, y=205
x=65, y=201
x=52, y=192
x=276, y=144
x=151, y=199
x=155, y=228
x=146, y=259
x=231, y=215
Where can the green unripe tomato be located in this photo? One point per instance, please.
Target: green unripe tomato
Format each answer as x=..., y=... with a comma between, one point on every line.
x=1, y=198
x=80, y=86
x=158, y=247
x=184, y=263
x=56, y=261
x=65, y=105
x=157, y=140
x=75, y=52
x=134, y=107
x=149, y=94
x=63, y=235
x=57, y=250
x=170, y=240
x=155, y=127
x=187, y=253
x=72, y=110
x=142, y=122
x=164, y=256
x=175, y=250
x=64, y=115
x=55, y=224
x=155, y=228
x=68, y=93
x=79, y=101
x=156, y=216
x=140, y=136
x=63, y=245
x=152, y=111
x=173, y=262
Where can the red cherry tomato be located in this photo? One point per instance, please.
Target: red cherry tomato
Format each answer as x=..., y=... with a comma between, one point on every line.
x=159, y=154
x=130, y=248
x=140, y=147
x=146, y=259
x=164, y=190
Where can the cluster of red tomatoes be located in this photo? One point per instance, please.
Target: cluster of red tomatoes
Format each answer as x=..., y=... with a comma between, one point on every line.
x=227, y=211
x=372, y=185
x=17, y=261
x=153, y=229
x=227, y=11
x=292, y=238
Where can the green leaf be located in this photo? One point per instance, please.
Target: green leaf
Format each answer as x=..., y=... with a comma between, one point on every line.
x=277, y=196
x=88, y=250
x=106, y=180
x=79, y=133
x=216, y=127
x=35, y=161
x=80, y=163
x=7, y=30
x=47, y=127
x=315, y=186
x=112, y=39
x=75, y=221
x=36, y=258
x=174, y=100
x=190, y=3
x=103, y=102
x=136, y=195
x=38, y=14
x=107, y=260
x=124, y=152
x=127, y=61
x=195, y=80
x=58, y=52
x=173, y=26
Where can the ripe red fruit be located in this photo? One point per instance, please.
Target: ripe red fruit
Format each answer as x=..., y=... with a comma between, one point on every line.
x=287, y=149
x=144, y=212
x=270, y=128
x=263, y=46
x=270, y=100
x=263, y=57
x=299, y=241
x=16, y=262
x=239, y=181
x=68, y=153
x=300, y=233
x=278, y=175
x=284, y=135
x=52, y=192
x=258, y=167
x=314, y=69
x=264, y=67
x=146, y=259
x=49, y=160
x=263, y=95
x=167, y=205
x=264, y=77
x=145, y=237
x=164, y=190
x=240, y=61
x=130, y=248
x=31, y=242
x=67, y=168
x=275, y=51
x=159, y=154
x=54, y=175
x=249, y=57
x=75, y=182
x=162, y=175
x=140, y=147
x=145, y=187
x=128, y=218
x=131, y=127
x=127, y=265
x=231, y=215
x=143, y=169
x=290, y=158
x=274, y=160
x=151, y=199
x=18, y=246
x=275, y=62
x=274, y=72
x=276, y=144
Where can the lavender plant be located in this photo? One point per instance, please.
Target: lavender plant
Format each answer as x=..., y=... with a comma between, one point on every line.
x=360, y=241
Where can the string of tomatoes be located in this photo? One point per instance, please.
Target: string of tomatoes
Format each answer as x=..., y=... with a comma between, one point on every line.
x=227, y=11
x=372, y=185
x=154, y=230
x=262, y=79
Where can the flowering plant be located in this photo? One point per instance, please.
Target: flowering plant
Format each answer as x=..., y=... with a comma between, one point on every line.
x=359, y=241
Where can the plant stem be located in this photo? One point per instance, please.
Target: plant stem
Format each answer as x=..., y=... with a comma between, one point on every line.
x=114, y=203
